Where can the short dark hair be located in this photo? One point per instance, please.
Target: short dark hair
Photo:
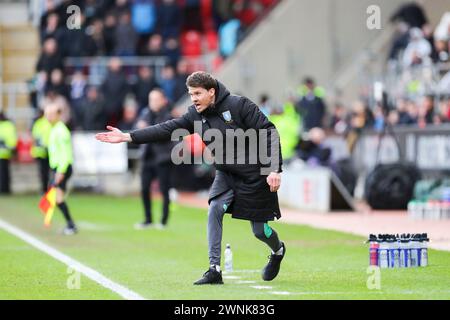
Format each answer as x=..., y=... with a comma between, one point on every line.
x=201, y=79
x=159, y=90
x=309, y=81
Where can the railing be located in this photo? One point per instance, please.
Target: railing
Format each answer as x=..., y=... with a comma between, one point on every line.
x=97, y=67
x=12, y=91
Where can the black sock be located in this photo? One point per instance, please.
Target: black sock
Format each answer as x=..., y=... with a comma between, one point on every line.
x=65, y=211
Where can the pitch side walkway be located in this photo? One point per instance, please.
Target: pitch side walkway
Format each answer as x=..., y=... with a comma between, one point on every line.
x=363, y=222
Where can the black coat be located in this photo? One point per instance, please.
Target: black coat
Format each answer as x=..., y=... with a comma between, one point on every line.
x=253, y=200
x=157, y=153
x=312, y=111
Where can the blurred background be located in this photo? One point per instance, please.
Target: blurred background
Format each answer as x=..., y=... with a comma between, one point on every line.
x=349, y=97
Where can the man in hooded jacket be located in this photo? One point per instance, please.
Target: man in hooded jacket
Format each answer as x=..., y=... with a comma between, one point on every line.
x=246, y=190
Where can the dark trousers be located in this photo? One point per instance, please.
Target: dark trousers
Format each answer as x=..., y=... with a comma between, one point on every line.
x=162, y=173
x=5, y=179
x=44, y=173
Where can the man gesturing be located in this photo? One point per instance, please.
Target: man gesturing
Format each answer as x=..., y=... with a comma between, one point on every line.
x=245, y=188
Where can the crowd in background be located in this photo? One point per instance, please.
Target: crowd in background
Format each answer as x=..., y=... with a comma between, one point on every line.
x=177, y=30
x=117, y=29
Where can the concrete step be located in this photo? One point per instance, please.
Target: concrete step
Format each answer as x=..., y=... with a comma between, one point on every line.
x=19, y=38
x=23, y=65
x=22, y=100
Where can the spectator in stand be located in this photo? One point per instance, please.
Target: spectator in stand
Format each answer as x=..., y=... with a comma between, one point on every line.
x=172, y=50
x=130, y=114
x=443, y=50
x=93, y=9
x=181, y=77
x=121, y=6
x=443, y=115
x=145, y=83
x=109, y=33
x=379, y=120
x=359, y=119
x=114, y=89
x=169, y=19
x=57, y=84
x=312, y=151
x=229, y=35
x=37, y=89
x=78, y=43
x=96, y=33
x=222, y=11
x=264, y=104
x=411, y=13
x=192, y=19
x=93, y=117
x=154, y=46
x=126, y=37
x=418, y=50
x=168, y=82
x=52, y=29
x=78, y=86
x=49, y=9
x=50, y=58
x=428, y=35
x=406, y=113
x=311, y=106
x=426, y=111
x=143, y=16
x=413, y=112
x=128, y=122
x=337, y=121
x=400, y=42
x=393, y=118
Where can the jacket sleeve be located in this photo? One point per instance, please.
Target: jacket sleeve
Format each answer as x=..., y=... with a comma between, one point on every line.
x=253, y=118
x=163, y=132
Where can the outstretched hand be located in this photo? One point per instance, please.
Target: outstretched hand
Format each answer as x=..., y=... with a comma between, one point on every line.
x=114, y=136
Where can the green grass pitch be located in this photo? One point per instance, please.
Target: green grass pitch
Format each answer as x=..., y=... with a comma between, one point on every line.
x=157, y=264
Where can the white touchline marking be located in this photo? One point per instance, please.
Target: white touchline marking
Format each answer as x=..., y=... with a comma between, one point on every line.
x=246, y=271
x=280, y=293
x=261, y=287
x=231, y=277
x=72, y=263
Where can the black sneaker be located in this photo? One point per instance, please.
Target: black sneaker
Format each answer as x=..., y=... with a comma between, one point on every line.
x=212, y=276
x=272, y=268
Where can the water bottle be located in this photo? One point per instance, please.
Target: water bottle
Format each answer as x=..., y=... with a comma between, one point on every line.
x=373, y=250
x=424, y=250
x=413, y=210
x=394, y=259
x=228, y=259
x=415, y=251
x=383, y=256
x=405, y=252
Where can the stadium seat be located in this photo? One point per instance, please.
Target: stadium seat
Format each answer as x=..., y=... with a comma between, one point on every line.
x=191, y=43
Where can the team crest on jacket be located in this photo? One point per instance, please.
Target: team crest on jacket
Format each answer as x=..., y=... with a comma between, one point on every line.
x=227, y=116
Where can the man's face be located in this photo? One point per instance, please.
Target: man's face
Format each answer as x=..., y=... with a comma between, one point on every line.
x=157, y=101
x=202, y=98
x=51, y=113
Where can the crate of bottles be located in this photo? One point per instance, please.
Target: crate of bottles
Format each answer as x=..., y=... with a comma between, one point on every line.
x=398, y=251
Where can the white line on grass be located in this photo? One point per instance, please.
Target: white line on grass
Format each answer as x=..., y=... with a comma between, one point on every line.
x=72, y=263
x=261, y=287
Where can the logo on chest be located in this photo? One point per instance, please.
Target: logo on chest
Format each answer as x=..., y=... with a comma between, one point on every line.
x=227, y=117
